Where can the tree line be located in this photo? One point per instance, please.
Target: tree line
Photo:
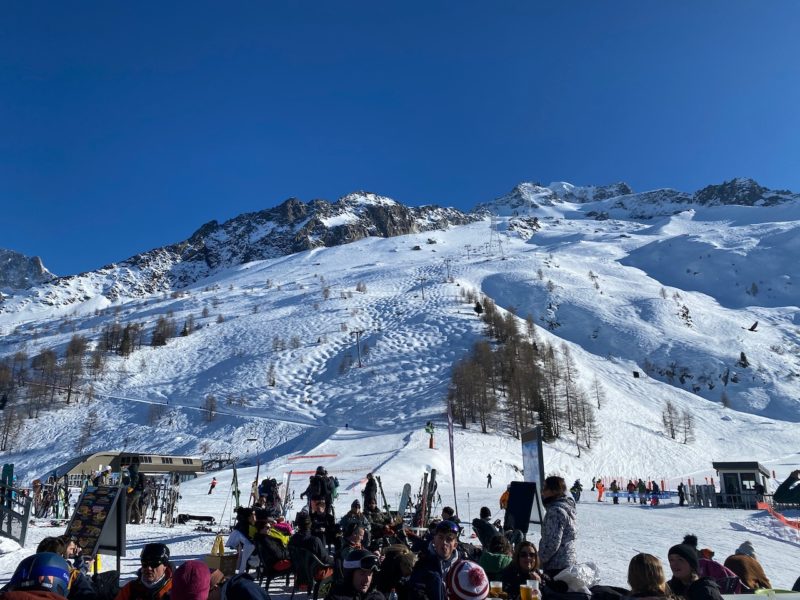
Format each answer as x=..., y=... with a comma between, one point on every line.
x=513, y=381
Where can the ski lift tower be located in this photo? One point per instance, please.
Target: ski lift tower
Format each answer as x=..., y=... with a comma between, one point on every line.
x=494, y=235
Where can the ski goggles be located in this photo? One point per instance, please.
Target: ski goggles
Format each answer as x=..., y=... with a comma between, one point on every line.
x=369, y=563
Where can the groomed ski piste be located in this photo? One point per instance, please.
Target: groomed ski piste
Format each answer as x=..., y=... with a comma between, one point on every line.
x=416, y=325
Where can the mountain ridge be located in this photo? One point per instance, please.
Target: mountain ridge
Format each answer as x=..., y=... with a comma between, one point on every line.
x=296, y=226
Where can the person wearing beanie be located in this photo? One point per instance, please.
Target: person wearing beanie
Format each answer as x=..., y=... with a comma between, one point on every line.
x=191, y=581
x=483, y=527
x=747, y=549
x=356, y=517
x=686, y=583
x=745, y=565
x=727, y=581
x=357, y=581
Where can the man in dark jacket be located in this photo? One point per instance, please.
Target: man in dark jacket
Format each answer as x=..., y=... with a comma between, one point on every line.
x=370, y=490
x=358, y=568
x=428, y=575
x=303, y=538
x=484, y=528
x=323, y=525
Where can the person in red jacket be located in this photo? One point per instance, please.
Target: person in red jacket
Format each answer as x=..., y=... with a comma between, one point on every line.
x=600, y=489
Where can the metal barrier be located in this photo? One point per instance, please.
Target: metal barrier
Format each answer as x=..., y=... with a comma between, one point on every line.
x=14, y=514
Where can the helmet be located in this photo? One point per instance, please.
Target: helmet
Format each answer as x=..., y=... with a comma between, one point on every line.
x=45, y=570
x=155, y=552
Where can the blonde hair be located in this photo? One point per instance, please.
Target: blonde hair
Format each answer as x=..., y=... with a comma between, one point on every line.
x=646, y=575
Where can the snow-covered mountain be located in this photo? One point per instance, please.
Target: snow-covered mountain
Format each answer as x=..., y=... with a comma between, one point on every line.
x=662, y=285
x=293, y=226
x=19, y=272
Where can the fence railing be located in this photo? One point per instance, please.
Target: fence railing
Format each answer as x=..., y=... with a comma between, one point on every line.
x=14, y=513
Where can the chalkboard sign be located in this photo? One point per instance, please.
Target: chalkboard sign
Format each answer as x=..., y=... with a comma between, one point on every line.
x=98, y=523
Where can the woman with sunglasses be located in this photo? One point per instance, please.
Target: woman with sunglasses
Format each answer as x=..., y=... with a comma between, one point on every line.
x=524, y=566
x=357, y=583
x=154, y=580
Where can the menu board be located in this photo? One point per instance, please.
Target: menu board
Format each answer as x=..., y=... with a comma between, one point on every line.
x=98, y=523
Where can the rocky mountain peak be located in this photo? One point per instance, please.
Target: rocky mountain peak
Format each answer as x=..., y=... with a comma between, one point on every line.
x=742, y=191
x=20, y=272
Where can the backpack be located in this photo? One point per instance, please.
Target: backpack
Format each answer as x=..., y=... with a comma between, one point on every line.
x=106, y=584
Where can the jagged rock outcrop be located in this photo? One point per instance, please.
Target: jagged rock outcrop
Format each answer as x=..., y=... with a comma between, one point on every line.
x=292, y=226
x=742, y=191
x=20, y=272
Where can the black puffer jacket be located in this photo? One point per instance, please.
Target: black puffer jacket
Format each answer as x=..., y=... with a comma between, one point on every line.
x=345, y=591
x=704, y=588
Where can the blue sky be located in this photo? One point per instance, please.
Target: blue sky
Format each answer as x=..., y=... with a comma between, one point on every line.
x=126, y=126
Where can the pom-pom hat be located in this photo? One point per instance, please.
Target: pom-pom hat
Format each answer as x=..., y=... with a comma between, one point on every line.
x=466, y=580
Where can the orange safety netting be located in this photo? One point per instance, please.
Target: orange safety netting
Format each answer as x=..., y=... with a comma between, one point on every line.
x=777, y=515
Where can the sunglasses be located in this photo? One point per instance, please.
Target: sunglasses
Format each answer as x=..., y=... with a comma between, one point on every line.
x=527, y=554
x=153, y=564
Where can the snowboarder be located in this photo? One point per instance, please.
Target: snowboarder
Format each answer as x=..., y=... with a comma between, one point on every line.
x=600, y=489
x=681, y=494
x=489, y=480
x=594, y=483
x=642, y=490
x=213, y=485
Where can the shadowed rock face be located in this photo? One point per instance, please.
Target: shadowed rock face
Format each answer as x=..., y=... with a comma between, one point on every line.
x=20, y=272
x=744, y=192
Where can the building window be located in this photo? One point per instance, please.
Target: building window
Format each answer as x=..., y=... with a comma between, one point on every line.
x=146, y=459
x=748, y=481
x=187, y=461
x=166, y=460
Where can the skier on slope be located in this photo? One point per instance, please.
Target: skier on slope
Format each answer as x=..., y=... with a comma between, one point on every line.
x=576, y=490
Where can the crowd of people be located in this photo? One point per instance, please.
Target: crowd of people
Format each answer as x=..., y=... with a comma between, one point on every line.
x=373, y=555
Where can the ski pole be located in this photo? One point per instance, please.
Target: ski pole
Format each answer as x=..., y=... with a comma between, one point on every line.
x=469, y=510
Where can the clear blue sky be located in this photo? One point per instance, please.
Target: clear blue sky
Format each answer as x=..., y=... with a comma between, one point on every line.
x=126, y=125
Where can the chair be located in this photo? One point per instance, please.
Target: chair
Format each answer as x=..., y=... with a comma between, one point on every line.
x=269, y=567
x=305, y=566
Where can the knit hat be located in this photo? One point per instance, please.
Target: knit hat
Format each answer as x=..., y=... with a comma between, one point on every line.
x=191, y=581
x=688, y=553
x=746, y=548
x=466, y=580
x=485, y=512
x=355, y=504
